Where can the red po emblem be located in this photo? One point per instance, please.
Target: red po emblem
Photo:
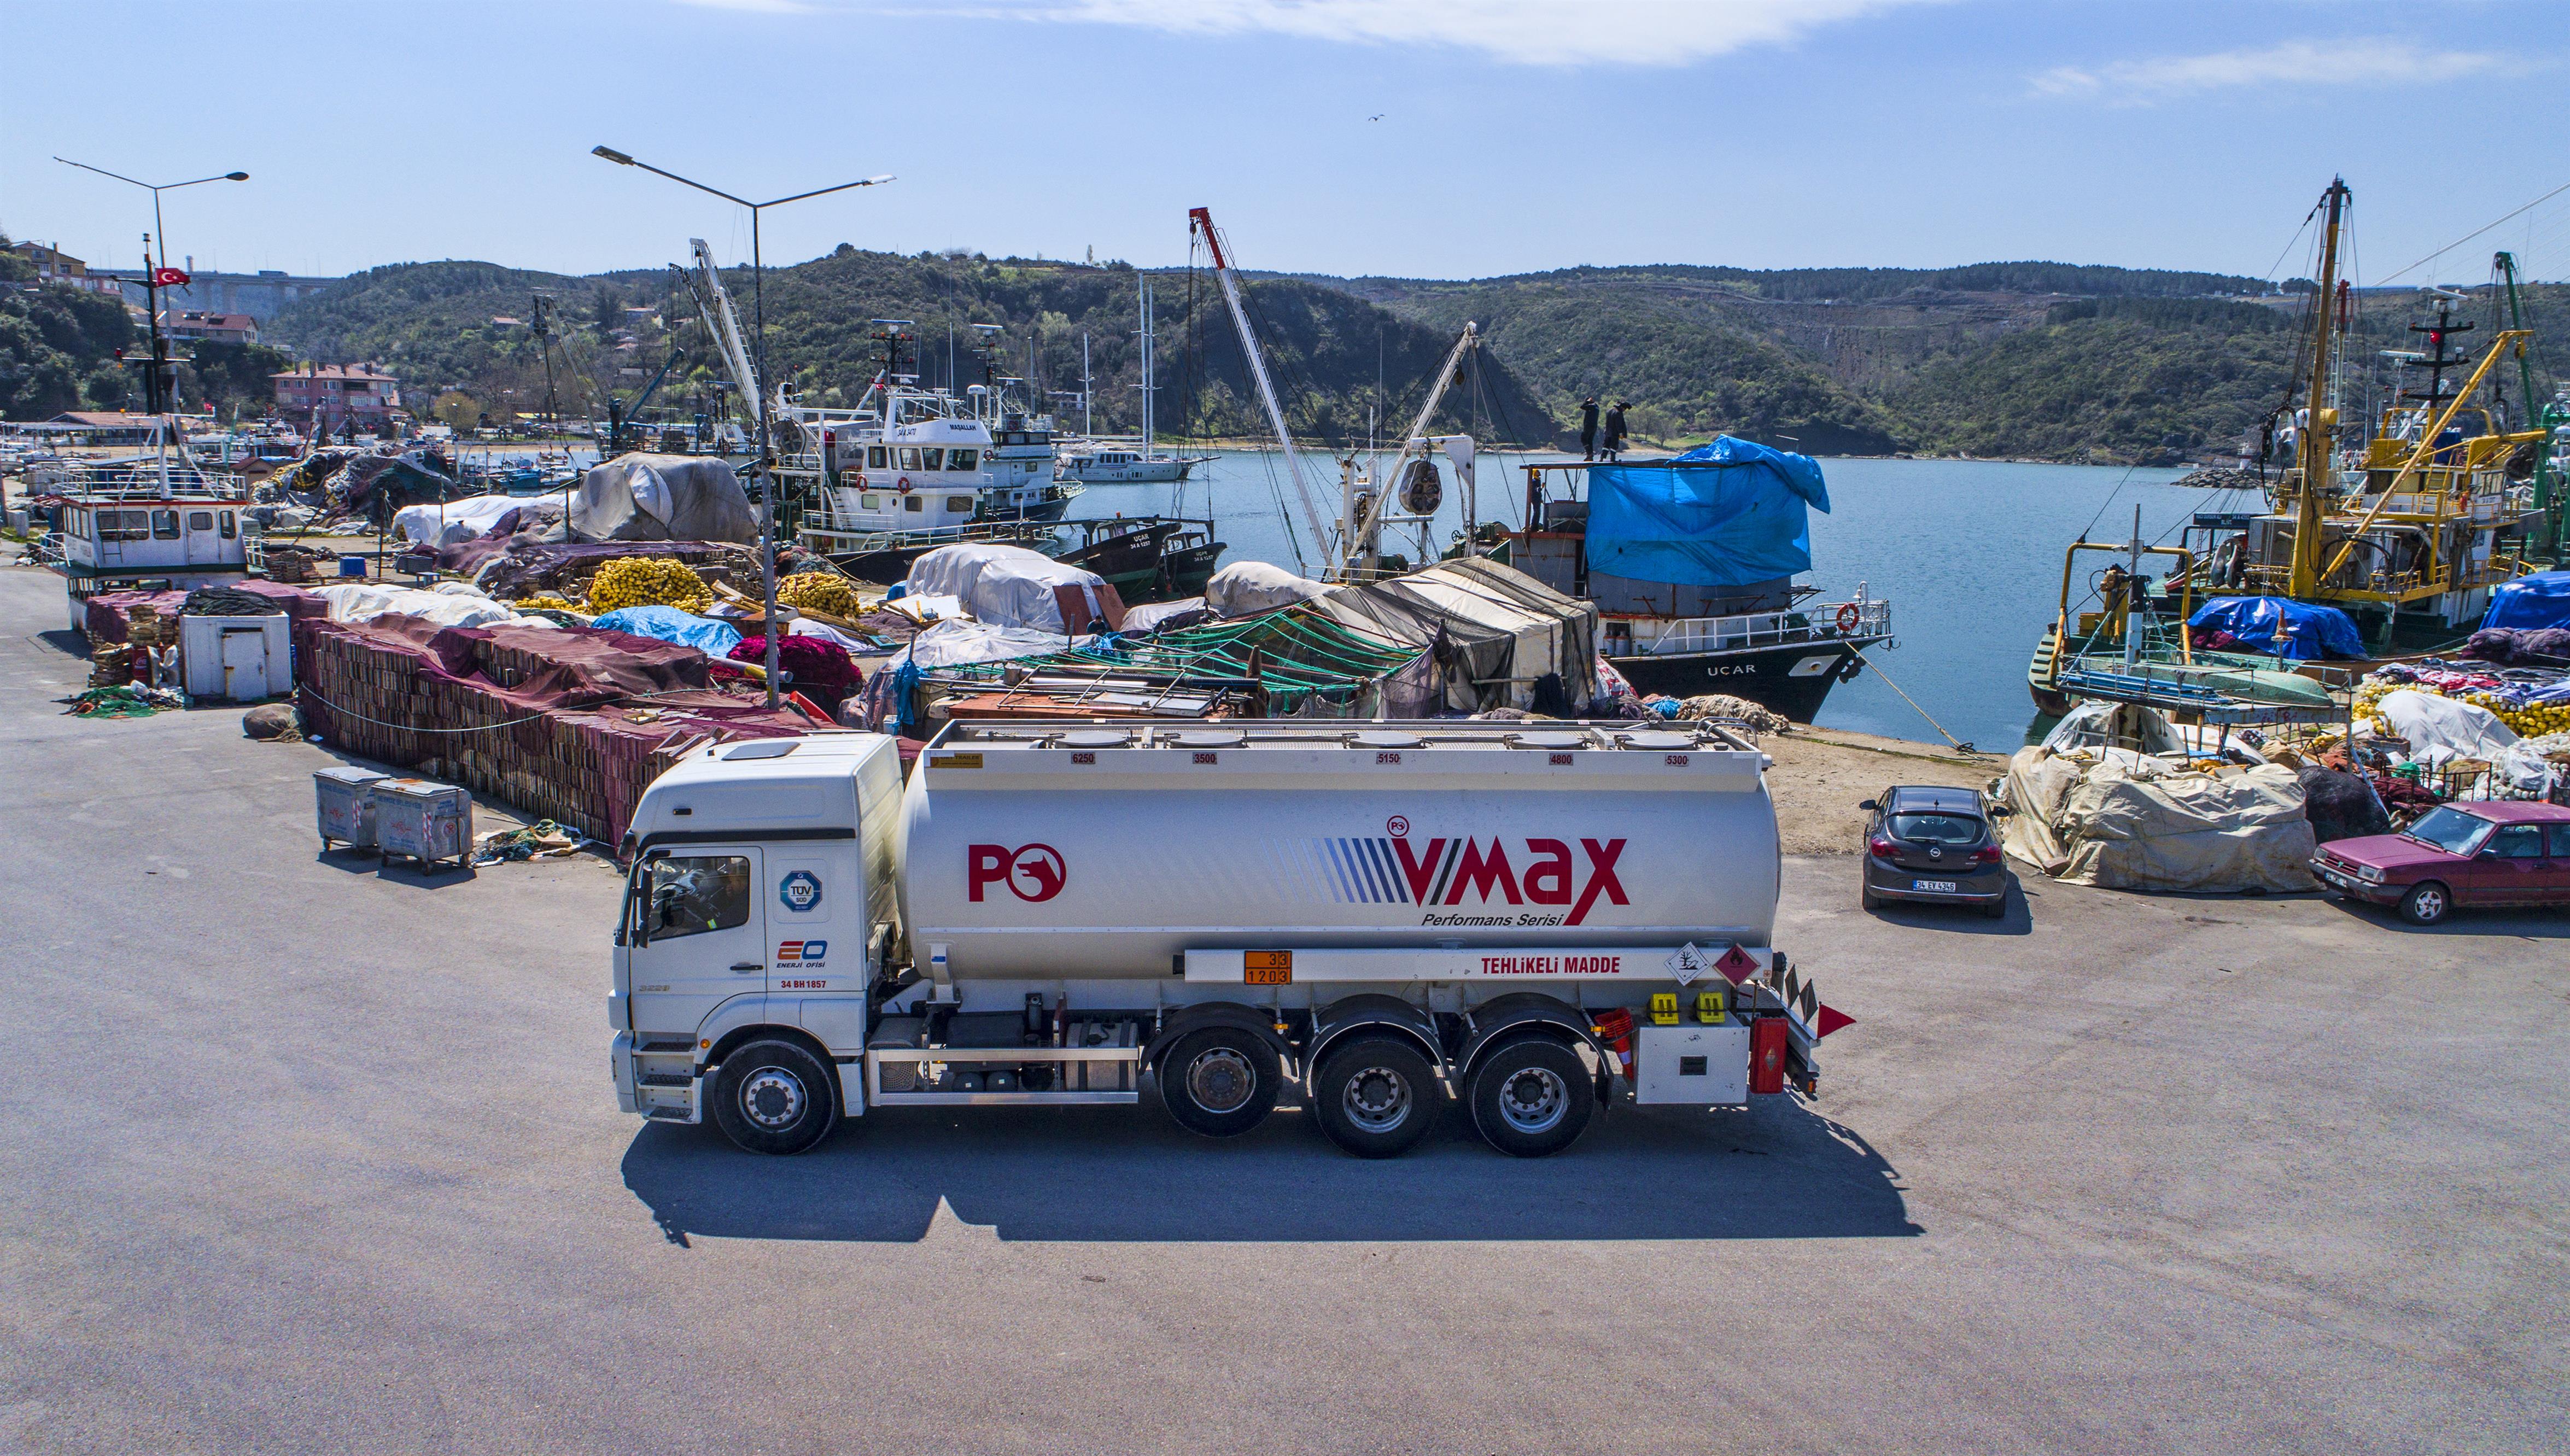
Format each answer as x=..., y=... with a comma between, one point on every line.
x=1398, y=826
x=1034, y=873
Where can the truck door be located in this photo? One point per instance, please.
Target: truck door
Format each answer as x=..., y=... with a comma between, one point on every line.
x=699, y=936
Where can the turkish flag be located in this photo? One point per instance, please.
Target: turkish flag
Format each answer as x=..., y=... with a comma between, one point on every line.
x=1832, y=1018
x=169, y=278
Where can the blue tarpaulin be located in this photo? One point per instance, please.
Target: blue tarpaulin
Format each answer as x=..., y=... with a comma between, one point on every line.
x=2539, y=601
x=2306, y=631
x=1728, y=513
x=668, y=624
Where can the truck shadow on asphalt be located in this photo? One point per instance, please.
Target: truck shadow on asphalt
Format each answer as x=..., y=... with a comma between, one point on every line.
x=1774, y=1171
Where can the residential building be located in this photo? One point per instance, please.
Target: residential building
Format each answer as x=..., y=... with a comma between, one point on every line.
x=333, y=393
x=226, y=328
x=53, y=265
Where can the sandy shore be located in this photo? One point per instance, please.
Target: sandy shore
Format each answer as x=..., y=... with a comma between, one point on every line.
x=1821, y=774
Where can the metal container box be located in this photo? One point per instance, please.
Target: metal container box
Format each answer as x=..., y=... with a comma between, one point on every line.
x=423, y=821
x=1692, y=1065
x=241, y=658
x=344, y=804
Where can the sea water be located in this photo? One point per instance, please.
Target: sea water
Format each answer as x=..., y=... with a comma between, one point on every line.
x=1968, y=552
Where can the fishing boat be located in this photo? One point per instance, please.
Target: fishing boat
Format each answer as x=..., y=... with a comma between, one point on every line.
x=1690, y=561
x=151, y=522
x=1147, y=557
x=2403, y=531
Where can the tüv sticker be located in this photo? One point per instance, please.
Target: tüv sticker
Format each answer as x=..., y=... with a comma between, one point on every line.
x=800, y=891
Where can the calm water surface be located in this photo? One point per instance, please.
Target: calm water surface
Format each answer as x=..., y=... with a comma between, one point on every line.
x=1970, y=553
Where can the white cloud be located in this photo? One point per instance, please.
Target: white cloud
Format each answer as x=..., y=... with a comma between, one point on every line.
x=2361, y=61
x=1520, y=31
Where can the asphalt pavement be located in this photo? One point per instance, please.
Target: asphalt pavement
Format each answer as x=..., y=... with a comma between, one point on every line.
x=318, y=1156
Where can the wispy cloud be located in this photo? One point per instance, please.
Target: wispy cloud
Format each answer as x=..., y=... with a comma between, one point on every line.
x=1559, y=33
x=2359, y=61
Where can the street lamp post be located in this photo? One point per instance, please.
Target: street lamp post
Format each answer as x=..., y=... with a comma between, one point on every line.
x=152, y=396
x=758, y=308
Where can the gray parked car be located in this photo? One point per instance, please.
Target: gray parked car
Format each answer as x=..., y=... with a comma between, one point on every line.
x=1934, y=846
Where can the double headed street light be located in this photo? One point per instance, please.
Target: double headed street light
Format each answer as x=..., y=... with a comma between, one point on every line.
x=758, y=306
x=150, y=269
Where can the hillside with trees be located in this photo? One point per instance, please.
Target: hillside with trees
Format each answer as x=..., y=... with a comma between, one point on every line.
x=58, y=352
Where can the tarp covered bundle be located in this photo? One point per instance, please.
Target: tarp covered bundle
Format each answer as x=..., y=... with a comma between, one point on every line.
x=663, y=497
x=449, y=523
x=1500, y=639
x=2539, y=601
x=2281, y=626
x=1012, y=586
x=1246, y=588
x=668, y=624
x=359, y=601
x=1730, y=514
x=585, y=723
x=2139, y=823
x=508, y=567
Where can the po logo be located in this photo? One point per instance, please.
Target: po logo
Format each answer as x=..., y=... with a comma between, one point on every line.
x=1034, y=873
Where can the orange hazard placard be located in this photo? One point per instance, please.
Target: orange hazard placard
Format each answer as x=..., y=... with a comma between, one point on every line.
x=1267, y=968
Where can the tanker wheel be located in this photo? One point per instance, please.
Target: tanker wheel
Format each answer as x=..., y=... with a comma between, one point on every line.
x=775, y=1097
x=1221, y=1081
x=1375, y=1096
x=1531, y=1097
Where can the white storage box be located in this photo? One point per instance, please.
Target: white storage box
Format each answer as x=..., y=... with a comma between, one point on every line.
x=424, y=820
x=1692, y=1064
x=241, y=658
x=343, y=803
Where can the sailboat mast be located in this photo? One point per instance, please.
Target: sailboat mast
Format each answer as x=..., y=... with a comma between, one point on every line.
x=2320, y=427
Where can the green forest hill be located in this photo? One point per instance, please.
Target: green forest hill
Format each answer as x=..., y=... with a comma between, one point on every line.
x=2023, y=360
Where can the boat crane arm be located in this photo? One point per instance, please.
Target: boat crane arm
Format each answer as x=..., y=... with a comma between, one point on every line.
x=1202, y=219
x=1416, y=438
x=714, y=305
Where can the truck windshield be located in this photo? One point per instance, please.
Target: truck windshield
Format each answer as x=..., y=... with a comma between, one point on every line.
x=693, y=894
x=2450, y=830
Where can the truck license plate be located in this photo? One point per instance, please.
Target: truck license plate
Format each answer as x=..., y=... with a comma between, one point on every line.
x=1947, y=886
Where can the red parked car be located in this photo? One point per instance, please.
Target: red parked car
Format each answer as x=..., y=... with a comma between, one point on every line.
x=2483, y=854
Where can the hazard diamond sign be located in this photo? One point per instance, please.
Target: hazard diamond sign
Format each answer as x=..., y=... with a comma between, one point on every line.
x=1737, y=966
x=1686, y=963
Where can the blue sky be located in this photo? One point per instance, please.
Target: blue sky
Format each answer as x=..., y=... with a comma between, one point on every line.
x=1512, y=135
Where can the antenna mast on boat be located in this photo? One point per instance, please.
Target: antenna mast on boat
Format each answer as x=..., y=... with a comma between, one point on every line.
x=2320, y=427
x=1201, y=219
x=1360, y=532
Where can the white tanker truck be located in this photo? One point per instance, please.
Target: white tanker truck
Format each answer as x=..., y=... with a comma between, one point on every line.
x=1537, y=918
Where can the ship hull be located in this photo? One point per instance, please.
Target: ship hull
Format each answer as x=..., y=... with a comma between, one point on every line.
x=1791, y=679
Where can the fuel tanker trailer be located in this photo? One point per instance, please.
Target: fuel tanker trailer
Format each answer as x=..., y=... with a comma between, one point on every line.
x=1540, y=918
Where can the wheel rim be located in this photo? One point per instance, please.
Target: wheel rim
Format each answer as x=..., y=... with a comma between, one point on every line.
x=772, y=1097
x=1376, y=1099
x=2429, y=903
x=1220, y=1080
x=1533, y=1099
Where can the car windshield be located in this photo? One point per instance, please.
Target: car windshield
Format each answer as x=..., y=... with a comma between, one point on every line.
x=2450, y=830
x=1936, y=829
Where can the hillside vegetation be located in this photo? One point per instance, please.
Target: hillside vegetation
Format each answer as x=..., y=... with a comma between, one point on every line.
x=2033, y=360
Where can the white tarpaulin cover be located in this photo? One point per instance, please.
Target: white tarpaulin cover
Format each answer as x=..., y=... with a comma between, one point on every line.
x=2142, y=824
x=1246, y=588
x=364, y=601
x=955, y=644
x=2440, y=730
x=455, y=521
x=1006, y=585
x=663, y=497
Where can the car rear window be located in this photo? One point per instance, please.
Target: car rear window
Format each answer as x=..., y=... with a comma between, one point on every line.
x=1936, y=829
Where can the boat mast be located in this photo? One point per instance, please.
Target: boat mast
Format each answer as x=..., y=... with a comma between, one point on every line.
x=1415, y=438
x=1201, y=219
x=1149, y=431
x=2319, y=435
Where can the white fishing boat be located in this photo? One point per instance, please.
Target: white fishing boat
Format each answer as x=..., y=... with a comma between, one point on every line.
x=1098, y=461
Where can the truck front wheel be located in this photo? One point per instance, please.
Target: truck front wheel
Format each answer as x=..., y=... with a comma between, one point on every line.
x=1221, y=1081
x=775, y=1097
x=1531, y=1097
x=1375, y=1096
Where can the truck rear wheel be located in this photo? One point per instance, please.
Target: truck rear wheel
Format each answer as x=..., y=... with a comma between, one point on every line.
x=1531, y=1097
x=1221, y=1081
x=775, y=1097
x=1375, y=1096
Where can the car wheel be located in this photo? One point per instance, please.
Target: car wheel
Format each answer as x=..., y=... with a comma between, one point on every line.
x=1220, y=1082
x=1866, y=897
x=1375, y=1096
x=2426, y=902
x=775, y=1097
x=1531, y=1097
x=1996, y=910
